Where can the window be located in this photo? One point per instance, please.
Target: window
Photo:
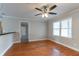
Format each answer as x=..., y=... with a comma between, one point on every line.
x=63, y=28
x=56, y=28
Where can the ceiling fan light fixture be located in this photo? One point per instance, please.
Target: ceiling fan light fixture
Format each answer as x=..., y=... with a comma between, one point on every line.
x=46, y=10
x=46, y=15
x=43, y=15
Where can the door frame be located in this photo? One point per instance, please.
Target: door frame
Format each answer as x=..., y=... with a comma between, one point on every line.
x=28, y=29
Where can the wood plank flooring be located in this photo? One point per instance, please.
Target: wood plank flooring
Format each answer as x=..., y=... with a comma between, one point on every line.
x=40, y=48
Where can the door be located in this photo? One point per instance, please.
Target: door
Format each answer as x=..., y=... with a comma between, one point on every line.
x=24, y=32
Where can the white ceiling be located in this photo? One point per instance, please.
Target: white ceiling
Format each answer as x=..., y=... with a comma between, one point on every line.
x=26, y=10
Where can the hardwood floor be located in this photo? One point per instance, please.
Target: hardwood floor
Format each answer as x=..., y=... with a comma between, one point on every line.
x=40, y=48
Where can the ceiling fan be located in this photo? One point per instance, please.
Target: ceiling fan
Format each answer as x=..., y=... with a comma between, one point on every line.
x=45, y=10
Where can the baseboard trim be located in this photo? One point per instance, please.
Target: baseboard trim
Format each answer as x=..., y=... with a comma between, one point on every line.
x=65, y=45
x=7, y=49
x=37, y=39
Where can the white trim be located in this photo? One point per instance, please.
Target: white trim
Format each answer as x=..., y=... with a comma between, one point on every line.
x=28, y=29
x=65, y=45
x=7, y=49
x=37, y=39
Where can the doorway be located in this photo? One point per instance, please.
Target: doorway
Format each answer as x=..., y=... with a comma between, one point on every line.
x=24, y=32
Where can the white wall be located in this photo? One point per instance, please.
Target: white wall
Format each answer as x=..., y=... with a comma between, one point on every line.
x=37, y=29
x=6, y=41
x=71, y=42
x=9, y=24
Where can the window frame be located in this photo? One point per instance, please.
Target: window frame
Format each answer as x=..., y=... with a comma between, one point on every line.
x=57, y=28
x=68, y=28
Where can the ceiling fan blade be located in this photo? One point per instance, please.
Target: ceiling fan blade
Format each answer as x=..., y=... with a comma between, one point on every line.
x=38, y=9
x=51, y=8
x=52, y=13
x=38, y=14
